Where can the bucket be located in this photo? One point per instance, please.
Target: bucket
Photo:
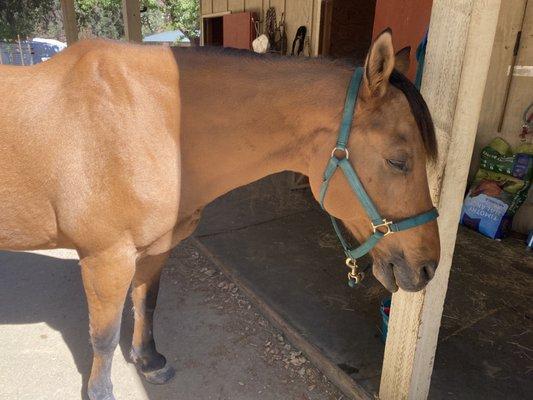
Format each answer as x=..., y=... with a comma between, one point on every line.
x=385, y=311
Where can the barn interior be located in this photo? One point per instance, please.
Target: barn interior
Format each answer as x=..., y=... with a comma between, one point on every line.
x=273, y=240
x=279, y=247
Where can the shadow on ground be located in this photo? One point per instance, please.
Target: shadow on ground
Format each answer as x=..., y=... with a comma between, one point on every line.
x=36, y=288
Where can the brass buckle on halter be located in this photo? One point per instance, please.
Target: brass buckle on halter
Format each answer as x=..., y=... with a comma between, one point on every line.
x=345, y=151
x=385, y=224
x=354, y=276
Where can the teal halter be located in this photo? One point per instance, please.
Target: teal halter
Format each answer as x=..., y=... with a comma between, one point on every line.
x=380, y=226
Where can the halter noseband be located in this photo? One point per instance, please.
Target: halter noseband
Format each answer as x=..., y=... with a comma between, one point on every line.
x=380, y=226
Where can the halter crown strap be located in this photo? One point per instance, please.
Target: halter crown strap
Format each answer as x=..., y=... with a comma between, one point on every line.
x=381, y=227
x=349, y=107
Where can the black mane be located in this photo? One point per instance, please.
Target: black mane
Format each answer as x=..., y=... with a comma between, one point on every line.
x=420, y=112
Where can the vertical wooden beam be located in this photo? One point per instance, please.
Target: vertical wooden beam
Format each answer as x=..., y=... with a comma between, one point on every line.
x=315, y=27
x=461, y=37
x=131, y=13
x=69, y=21
x=509, y=24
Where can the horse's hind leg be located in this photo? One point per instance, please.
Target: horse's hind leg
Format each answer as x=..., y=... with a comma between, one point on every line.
x=106, y=279
x=144, y=294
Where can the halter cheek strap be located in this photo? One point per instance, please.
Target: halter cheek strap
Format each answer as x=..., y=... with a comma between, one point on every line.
x=380, y=226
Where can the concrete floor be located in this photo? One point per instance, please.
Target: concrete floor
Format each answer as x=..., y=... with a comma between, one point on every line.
x=220, y=346
x=223, y=348
x=282, y=247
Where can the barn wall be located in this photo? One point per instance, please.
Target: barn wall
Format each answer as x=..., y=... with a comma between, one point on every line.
x=514, y=16
x=297, y=13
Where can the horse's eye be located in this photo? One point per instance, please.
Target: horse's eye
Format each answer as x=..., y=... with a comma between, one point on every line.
x=398, y=165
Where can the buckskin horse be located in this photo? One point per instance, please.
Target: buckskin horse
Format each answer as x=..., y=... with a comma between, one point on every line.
x=117, y=148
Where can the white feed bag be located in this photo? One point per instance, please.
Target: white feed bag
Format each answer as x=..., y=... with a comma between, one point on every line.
x=261, y=44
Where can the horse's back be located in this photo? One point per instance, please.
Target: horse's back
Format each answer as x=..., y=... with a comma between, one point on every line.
x=91, y=147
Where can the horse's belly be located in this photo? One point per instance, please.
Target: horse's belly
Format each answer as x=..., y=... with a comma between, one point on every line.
x=26, y=223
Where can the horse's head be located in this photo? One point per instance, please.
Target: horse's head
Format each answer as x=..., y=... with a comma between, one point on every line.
x=391, y=138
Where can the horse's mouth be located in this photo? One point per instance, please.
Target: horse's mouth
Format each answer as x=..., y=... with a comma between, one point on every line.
x=384, y=273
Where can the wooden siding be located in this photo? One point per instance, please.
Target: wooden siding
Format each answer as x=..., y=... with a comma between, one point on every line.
x=297, y=13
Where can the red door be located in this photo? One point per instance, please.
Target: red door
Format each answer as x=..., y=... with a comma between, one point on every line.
x=409, y=21
x=238, y=30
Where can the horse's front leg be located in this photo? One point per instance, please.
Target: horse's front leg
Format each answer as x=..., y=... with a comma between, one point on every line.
x=106, y=278
x=144, y=294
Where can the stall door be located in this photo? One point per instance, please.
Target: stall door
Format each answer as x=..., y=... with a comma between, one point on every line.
x=238, y=30
x=409, y=21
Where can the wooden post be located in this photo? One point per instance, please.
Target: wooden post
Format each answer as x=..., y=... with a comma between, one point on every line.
x=461, y=37
x=69, y=21
x=131, y=13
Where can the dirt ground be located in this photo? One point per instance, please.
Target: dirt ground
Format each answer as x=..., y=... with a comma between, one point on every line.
x=221, y=347
x=275, y=369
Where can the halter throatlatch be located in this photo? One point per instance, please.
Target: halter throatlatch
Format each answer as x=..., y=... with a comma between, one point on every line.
x=380, y=226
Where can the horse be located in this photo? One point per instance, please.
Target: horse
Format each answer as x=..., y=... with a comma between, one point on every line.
x=114, y=149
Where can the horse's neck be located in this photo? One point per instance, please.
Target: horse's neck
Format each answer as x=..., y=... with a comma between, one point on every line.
x=243, y=119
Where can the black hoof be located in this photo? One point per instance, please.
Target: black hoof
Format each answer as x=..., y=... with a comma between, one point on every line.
x=152, y=365
x=100, y=394
x=159, y=376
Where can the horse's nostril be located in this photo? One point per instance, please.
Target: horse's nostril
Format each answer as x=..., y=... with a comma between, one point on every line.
x=428, y=270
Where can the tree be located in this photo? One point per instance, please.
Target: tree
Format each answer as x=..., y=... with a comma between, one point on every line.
x=20, y=17
x=96, y=18
x=100, y=18
x=153, y=16
x=184, y=15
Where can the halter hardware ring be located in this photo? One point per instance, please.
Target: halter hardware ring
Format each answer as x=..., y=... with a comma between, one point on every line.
x=385, y=224
x=354, y=276
x=346, y=153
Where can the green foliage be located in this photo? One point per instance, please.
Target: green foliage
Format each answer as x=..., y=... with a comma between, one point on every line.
x=96, y=18
x=19, y=17
x=100, y=18
x=153, y=19
x=184, y=15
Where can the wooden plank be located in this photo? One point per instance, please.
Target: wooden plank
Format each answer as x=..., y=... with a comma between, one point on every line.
x=343, y=381
x=520, y=95
x=509, y=23
x=457, y=62
x=220, y=5
x=315, y=34
x=206, y=7
x=236, y=5
x=324, y=38
x=69, y=21
x=298, y=13
x=131, y=12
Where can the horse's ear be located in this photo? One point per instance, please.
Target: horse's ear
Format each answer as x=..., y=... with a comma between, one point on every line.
x=402, y=60
x=379, y=65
